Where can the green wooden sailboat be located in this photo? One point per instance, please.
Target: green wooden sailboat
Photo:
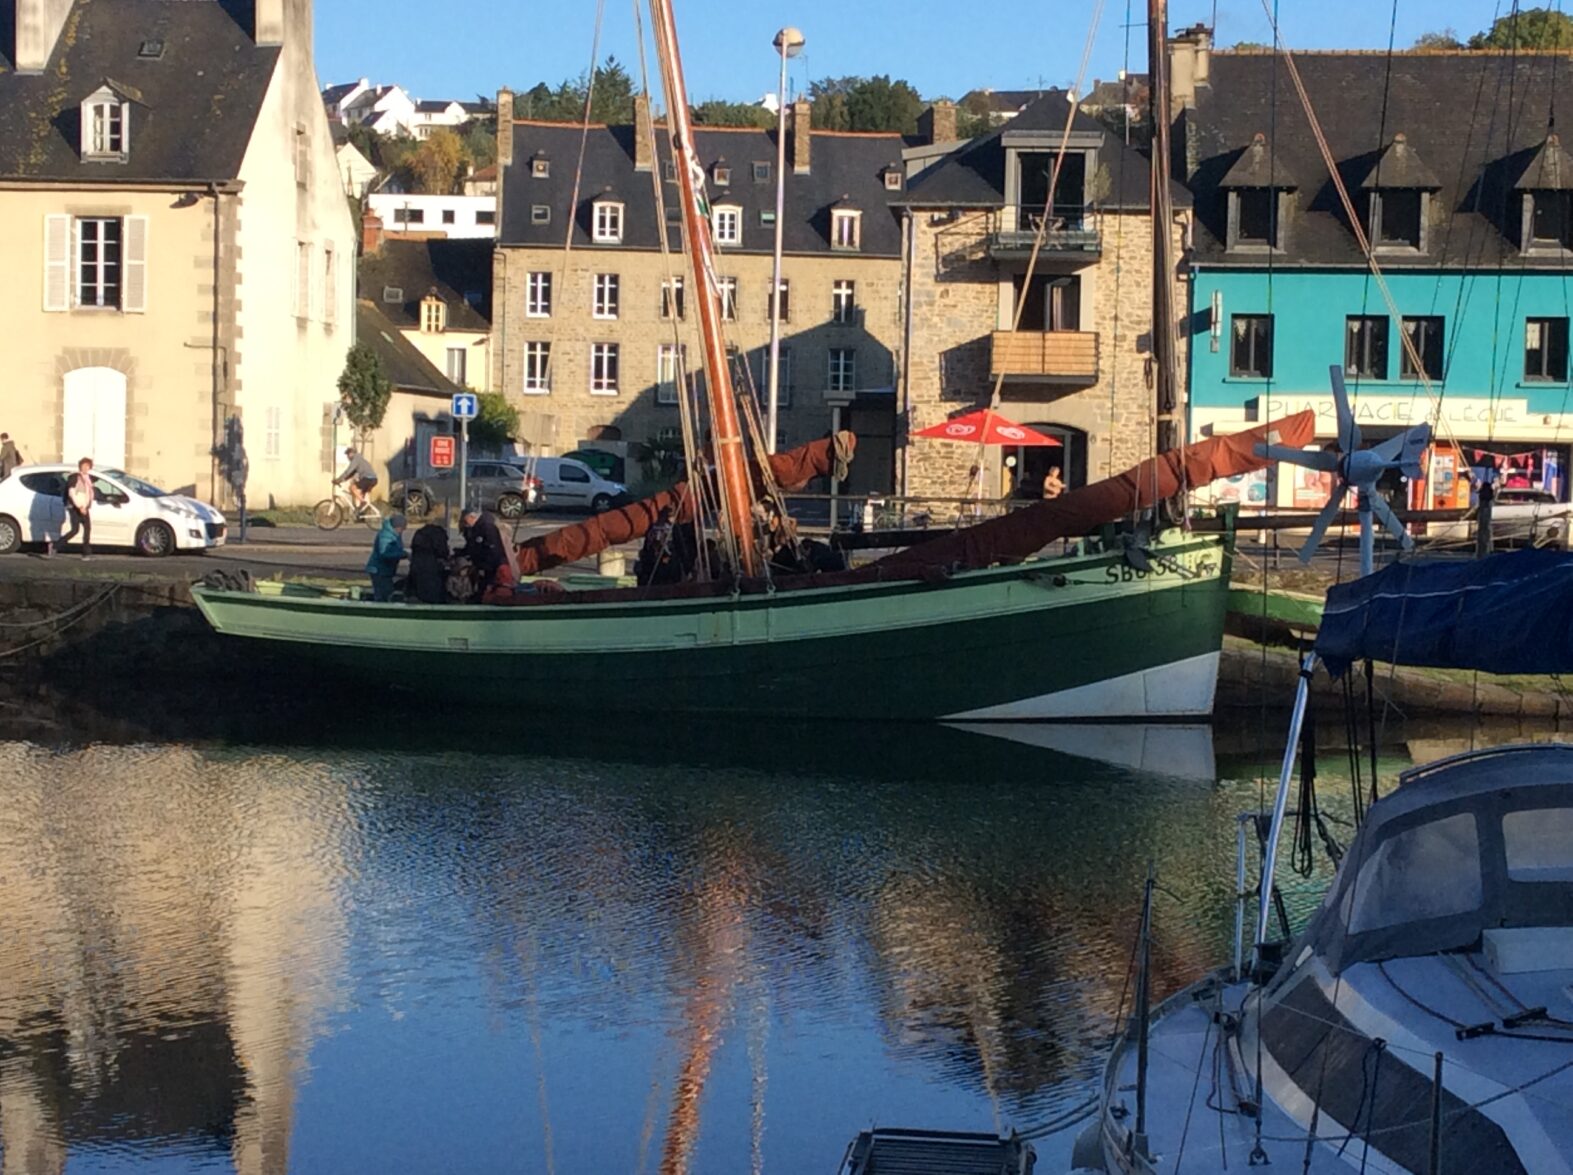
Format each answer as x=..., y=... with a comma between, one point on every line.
x=972, y=626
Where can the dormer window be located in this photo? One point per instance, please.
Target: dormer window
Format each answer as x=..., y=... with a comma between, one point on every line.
x=722, y=173
x=846, y=228
x=434, y=315
x=1257, y=188
x=892, y=177
x=761, y=173
x=1546, y=188
x=106, y=126
x=1399, y=188
x=728, y=223
x=607, y=223
x=1549, y=219
x=540, y=167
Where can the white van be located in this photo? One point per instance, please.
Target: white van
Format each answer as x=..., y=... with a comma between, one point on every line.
x=566, y=482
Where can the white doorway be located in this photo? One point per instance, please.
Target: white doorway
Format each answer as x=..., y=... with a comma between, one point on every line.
x=94, y=422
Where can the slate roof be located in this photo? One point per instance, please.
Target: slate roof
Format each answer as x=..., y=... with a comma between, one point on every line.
x=1453, y=110
x=1259, y=166
x=402, y=362
x=434, y=105
x=333, y=95
x=842, y=166
x=974, y=176
x=1548, y=168
x=456, y=269
x=1400, y=166
x=197, y=107
x=1002, y=101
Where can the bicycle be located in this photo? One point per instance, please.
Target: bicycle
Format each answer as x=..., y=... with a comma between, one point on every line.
x=331, y=513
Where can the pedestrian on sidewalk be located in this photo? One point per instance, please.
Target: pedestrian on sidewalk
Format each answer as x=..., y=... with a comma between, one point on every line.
x=78, y=496
x=386, y=554
x=9, y=457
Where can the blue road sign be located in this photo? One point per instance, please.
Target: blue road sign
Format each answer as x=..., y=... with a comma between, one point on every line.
x=466, y=406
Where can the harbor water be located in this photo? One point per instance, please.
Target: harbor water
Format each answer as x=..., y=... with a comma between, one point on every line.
x=510, y=948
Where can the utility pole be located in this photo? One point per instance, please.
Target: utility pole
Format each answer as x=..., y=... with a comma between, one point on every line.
x=789, y=43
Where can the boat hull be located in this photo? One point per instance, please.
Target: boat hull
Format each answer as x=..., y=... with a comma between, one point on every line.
x=1070, y=639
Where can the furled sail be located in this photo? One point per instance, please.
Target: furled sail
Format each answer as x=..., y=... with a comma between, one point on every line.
x=792, y=470
x=1024, y=532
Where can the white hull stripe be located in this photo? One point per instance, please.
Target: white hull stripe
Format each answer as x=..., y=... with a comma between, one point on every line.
x=1181, y=689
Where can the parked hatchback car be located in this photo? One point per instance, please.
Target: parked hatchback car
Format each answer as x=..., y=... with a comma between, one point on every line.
x=1518, y=515
x=502, y=486
x=127, y=512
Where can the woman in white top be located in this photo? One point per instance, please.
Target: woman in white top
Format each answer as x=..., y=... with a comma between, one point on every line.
x=79, y=506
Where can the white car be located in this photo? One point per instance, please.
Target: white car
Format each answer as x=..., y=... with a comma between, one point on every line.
x=566, y=482
x=127, y=512
x=1518, y=515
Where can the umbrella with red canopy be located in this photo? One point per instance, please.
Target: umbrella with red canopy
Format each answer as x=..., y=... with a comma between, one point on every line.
x=986, y=427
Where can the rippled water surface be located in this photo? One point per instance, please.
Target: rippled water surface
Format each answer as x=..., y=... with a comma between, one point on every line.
x=540, y=953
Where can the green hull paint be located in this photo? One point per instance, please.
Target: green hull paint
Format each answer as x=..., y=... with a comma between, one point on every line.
x=897, y=650
x=1295, y=609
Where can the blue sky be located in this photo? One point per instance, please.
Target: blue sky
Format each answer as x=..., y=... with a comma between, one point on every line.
x=464, y=47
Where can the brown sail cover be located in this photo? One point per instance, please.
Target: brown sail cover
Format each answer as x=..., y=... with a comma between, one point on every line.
x=793, y=470
x=1023, y=532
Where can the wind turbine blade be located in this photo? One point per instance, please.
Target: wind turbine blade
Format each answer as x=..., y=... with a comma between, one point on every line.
x=1323, y=521
x=1309, y=458
x=1348, y=430
x=1385, y=515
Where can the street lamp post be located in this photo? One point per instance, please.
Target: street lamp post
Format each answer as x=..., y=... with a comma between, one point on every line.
x=788, y=43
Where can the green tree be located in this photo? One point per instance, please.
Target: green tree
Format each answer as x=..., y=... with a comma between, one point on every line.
x=1251, y=46
x=364, y=390
x=717, y=112
x=974, y=115
x=1529, y=28
x=865, y=104
x=1439, y=39
x=480, y=141
x=438, y=162
x=497, y=422
x=613, y=101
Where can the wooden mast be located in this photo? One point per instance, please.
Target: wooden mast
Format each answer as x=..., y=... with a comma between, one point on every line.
x=736, y=486
x=1165, y=381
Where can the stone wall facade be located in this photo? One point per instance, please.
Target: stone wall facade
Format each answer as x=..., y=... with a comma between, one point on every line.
x=960, y=295
x=556, y=420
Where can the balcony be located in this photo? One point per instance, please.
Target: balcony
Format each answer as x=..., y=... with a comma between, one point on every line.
x=1072, y=231
x=1056, y=356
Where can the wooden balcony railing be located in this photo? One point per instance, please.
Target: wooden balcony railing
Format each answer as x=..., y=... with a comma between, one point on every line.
x=1064, y=355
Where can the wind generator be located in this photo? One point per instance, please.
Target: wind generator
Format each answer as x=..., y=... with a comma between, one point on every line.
x=1357, y=469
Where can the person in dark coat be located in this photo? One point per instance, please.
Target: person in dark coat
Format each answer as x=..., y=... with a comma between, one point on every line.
x=429, y=565
x=485, y=549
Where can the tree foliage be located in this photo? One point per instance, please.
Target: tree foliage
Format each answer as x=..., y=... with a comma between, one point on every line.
x=497, y=421
x=480, y=141
x=1251, y=46
x=865, y=104
x=612, y=102
x=717, y=112
x=364, y=390
x=437, y=164
x=1529, y=28
x=1439, y=39
x=974, y=115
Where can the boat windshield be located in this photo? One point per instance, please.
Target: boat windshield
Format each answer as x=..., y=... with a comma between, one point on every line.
x=1486, y=842
x=136, y=485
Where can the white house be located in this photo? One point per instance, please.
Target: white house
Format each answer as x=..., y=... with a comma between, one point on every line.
x=456, y=217
x=357, y=172
x=388, y=110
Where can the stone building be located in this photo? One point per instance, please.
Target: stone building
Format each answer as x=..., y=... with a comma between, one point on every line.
x=1076, y=364
x=438, y=293
x=181, y=252
x=587, y=338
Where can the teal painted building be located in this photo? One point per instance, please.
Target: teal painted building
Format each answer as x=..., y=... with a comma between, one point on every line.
x=1468, y=201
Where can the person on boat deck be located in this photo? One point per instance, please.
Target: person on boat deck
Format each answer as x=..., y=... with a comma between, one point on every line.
x=429, y=565
x=1053, y=483
x=658, y=560
x=486, y=551
x=386, y=554
x=360, y=476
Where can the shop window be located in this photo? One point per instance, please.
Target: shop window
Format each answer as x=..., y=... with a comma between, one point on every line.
x=1546, y=349
x=1365, y=346
x=1251, y=353
x=1425, y=336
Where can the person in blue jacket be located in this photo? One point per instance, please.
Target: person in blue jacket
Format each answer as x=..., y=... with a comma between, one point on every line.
x=386, y=554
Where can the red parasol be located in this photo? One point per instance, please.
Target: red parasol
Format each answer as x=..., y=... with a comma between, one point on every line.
x=987, y=427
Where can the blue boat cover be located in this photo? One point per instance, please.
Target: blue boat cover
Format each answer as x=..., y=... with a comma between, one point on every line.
x=1510, y=613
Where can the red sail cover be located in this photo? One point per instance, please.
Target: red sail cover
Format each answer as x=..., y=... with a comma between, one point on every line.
x=1024, y=532
x=793, y=470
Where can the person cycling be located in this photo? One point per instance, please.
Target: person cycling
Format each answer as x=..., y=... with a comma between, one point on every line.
x=360, y=477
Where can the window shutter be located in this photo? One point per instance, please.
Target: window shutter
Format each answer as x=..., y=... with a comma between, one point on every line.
x=134, y=295
x=57, y=263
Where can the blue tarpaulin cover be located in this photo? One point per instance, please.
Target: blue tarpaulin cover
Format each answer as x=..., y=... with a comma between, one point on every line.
x=1510, y=613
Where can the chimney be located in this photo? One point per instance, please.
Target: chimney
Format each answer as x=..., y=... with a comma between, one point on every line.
x=642, y=132
x=937, y=124
x=38, y=25
x=370, y=233
x=504, y=131
x=268, y=16
x=802, y=124
x=1190, y=66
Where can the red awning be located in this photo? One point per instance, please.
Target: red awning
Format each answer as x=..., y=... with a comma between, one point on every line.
x=986, y=427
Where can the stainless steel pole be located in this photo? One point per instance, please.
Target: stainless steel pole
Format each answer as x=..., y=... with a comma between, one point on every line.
x=773, y=394
x=464, y=462
x=1280, y=807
